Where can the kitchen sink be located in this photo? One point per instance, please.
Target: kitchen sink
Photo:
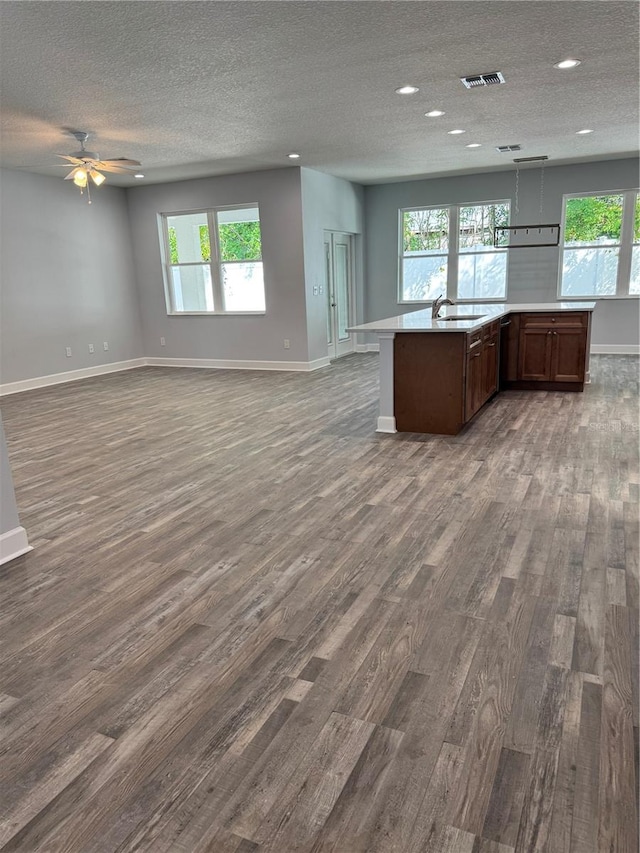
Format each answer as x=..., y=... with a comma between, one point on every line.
x=461, y=317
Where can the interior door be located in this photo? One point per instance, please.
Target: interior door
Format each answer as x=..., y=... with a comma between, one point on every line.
x=339, y=267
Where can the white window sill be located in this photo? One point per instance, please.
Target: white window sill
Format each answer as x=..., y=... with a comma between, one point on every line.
x=459, y=301
x=587, y=297
x=216, y=313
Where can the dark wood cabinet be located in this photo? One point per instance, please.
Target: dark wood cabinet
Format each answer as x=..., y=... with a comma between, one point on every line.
x=535, y=355
x=474, y=381
x=442, y=380
x=490, y=356
x=545, y=351
x=482, y=369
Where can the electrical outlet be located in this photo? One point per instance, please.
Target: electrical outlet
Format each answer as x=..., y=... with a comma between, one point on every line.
x=91, y=348
x=162, y=342
x=68, y=351
x=105, y=346
x=315, y=290
x=287, y=343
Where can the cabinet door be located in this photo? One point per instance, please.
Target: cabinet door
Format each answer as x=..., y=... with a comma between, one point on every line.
x=490, y=367
x=474, y=383
x=535, y=354
x=568, y=355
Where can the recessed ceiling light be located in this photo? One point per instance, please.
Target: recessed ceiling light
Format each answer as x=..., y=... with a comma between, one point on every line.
x=582, y=132
x=455, y=132
x=139, y=175
x=293, y=156
x=434, y=113
x=474, y=145
x=567, y=63
x=407, y=90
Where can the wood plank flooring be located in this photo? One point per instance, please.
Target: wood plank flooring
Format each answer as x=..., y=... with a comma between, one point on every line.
x=250, y=624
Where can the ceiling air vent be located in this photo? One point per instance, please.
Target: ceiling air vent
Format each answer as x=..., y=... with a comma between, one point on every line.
x=476, y=80
x=506, y=149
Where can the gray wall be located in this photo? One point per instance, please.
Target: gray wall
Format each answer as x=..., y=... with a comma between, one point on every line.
x=8, y=510
x=532, y=273
x=66, y=277
x=277, y=192
x=331, y=204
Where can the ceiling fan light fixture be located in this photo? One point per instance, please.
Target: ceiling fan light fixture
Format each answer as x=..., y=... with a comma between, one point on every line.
x=97, y=177
x=80, y=177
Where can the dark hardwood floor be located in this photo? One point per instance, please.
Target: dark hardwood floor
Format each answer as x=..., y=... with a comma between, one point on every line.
x=250, y=624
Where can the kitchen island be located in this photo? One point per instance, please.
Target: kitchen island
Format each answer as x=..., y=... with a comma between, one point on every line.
x=437, y=374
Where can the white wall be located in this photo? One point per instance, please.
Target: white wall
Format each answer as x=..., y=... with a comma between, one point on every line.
x=331, y=204
x=8, y=509
x=13, y=538
x=532, y=273
x=253, y=338
x=66, y=277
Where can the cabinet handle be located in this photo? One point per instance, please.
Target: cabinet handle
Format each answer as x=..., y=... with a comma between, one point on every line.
x=555, y=333
x=549, y=332
x=553, y=319
x=508, y=323
x=491, y=345
x=477, y=355
x=475, y=344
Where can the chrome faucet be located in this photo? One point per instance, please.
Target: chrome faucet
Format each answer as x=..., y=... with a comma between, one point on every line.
x=437, y=305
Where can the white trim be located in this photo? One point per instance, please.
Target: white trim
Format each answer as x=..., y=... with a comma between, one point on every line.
x=69, y=376
x=367, y=348
x=13, y=543
x=386, y=424
x=239, y=364
x=615, y=349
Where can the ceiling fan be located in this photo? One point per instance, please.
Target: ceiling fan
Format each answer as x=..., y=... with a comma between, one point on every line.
x=88, y=165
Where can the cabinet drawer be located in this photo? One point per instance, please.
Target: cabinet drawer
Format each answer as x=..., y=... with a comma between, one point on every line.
x=490, y=330
x=474, y=340
x=571, y=319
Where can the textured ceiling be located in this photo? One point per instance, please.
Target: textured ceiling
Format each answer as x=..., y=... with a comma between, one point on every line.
x=205, y=88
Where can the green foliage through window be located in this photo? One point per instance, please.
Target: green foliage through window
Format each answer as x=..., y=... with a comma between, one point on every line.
x=239, y=241
x=593, y=219
x=425, y=230
x=205, y=245
x=477, y=223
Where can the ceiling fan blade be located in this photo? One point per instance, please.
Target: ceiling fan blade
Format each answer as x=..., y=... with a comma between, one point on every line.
x=70, y=159
x=106, y=166
x=122, y=161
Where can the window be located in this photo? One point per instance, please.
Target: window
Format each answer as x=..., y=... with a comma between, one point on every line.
x=482, y=269
x=425, y=253
x=467, y=267
x=601, y=245
x=213, y=261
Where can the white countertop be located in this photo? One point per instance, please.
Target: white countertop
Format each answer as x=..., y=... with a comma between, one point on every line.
x=421, y=321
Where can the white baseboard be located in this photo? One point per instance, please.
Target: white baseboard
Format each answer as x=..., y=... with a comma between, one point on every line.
x=117, y=366
x=367, y=347
x=238, y=364
x=69, y=376
x=386, y=424
x=13, y=543
x=615, y=349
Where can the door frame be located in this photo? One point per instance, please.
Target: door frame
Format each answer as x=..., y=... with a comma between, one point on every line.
x=335, y=349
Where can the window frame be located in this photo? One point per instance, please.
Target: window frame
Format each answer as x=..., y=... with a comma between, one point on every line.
x=452, y=255
x=624, y=246
x=215, y=263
